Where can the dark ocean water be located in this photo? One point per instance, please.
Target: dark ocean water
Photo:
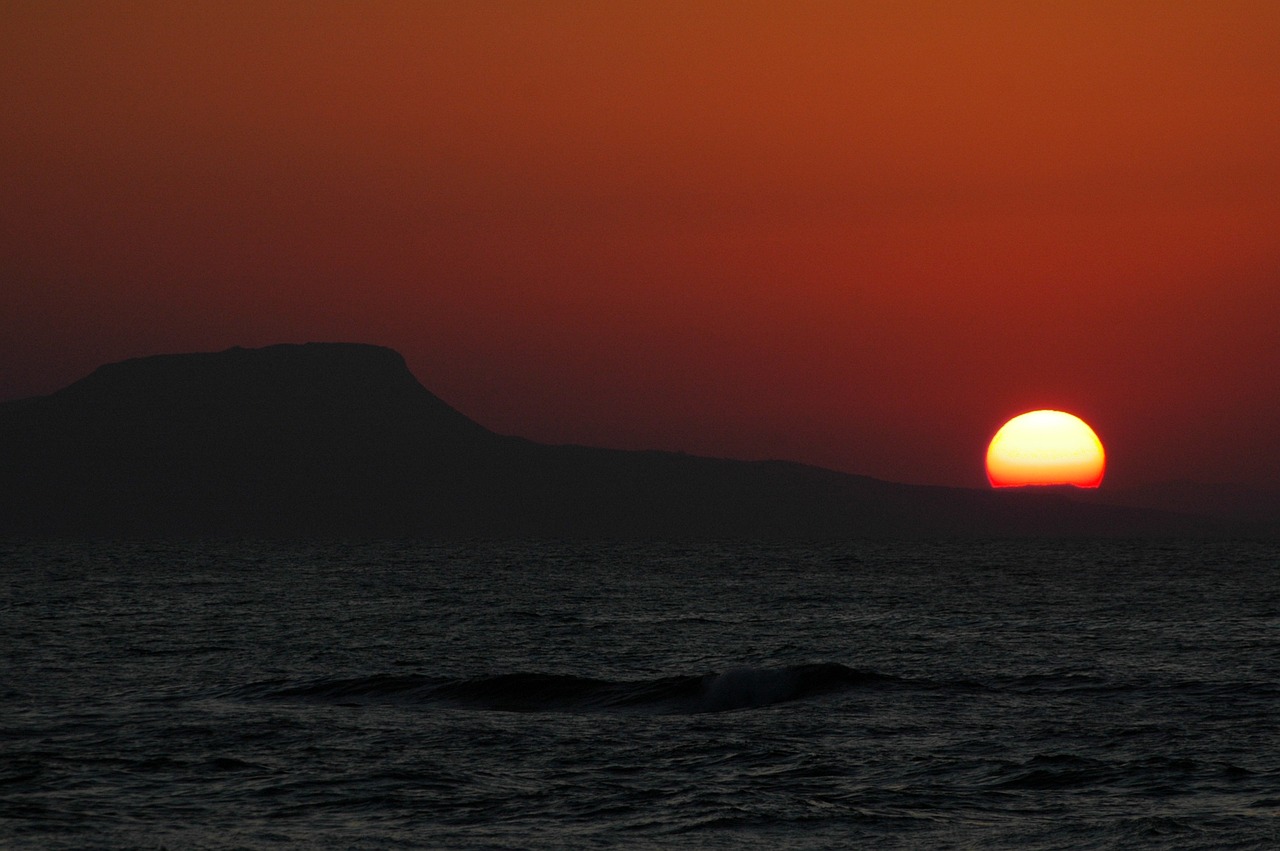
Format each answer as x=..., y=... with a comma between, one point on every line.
x=997, y=695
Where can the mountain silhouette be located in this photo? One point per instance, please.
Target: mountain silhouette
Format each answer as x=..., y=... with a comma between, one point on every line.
x=336, y=439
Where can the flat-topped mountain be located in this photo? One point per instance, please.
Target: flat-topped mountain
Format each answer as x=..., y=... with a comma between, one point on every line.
x=328, y=439
x=352, y=389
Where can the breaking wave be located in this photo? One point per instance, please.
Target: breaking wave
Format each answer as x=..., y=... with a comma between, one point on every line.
x=725, y=691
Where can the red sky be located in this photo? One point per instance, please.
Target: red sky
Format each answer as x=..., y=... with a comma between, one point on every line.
x=860, y=235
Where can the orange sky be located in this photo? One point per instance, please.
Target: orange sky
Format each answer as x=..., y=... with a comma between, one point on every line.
x=860, y=235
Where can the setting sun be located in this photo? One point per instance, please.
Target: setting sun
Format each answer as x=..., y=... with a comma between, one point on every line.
x=1045, y=448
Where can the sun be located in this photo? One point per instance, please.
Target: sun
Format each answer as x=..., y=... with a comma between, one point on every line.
x=1045, y=448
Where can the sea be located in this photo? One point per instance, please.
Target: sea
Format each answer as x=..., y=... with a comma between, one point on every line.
x=991, y=694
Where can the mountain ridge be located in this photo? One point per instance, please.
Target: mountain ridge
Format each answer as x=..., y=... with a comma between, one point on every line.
x=340, y=439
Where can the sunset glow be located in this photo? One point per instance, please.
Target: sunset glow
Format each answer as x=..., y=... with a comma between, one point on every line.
x=746, y=230
x=1045, y=448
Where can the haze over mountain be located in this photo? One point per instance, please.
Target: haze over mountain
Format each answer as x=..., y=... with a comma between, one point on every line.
x=330, y=439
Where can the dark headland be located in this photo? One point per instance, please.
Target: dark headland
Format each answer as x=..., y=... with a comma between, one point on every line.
x=340, y=440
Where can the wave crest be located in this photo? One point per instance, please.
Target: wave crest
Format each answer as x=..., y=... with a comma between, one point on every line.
x=725, y=691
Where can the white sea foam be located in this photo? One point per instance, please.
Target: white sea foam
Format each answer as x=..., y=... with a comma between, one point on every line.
x=747, y=688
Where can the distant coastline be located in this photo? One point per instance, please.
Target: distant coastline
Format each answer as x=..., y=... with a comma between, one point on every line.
x=338, y=439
